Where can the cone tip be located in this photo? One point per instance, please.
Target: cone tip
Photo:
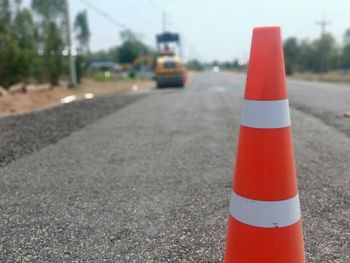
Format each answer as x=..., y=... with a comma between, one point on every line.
x=266, y=76
x=267, y=28
x=270, y=34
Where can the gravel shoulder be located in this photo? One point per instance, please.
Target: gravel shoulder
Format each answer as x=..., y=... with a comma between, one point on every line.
x=326, y=101
x=23, y=134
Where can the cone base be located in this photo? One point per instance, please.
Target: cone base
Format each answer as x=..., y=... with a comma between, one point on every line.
x=248, y=244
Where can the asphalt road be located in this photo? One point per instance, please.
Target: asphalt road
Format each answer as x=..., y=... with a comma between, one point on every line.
x=147, y=178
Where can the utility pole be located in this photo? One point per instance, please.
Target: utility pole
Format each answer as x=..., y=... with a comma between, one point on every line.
x=323, y=23
x=72, y=69
x=164, y=21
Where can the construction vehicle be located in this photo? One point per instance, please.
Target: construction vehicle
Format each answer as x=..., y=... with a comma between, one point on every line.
x=169, y=69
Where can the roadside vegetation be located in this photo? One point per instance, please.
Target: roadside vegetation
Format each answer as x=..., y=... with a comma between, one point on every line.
x=317, y=56
x=319, y=59
x=33, y=41
x=322, y=58
x=34, y=58
x=34, y=46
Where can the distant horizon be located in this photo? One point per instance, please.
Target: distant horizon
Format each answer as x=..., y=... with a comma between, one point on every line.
x=204, y=25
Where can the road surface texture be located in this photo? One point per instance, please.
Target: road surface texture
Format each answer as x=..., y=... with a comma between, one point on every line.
x=147, y=178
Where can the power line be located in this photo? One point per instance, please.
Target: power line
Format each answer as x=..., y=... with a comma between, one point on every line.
x=134, y=7
x=106, y=16
x=103, y=14
x=156, y=11
x=121, y=25
x=192, y=51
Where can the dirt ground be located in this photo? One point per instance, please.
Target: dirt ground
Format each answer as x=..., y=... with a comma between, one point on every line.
x=39, y=99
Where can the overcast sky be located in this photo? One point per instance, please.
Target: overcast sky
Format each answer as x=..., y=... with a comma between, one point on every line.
x=219, y=29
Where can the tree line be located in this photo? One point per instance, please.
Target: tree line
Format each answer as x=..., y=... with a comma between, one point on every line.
x=319, y=55
x=33, y=41
x=127, y=52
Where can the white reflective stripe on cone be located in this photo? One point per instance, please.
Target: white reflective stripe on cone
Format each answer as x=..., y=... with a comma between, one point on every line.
x=265, y=114
x=269, y=214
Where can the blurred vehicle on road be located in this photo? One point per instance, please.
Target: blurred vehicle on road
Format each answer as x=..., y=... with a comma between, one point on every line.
x=169, y=69
x=216, y=69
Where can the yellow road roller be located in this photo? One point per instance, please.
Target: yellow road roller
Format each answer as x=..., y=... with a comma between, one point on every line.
x=169, y=71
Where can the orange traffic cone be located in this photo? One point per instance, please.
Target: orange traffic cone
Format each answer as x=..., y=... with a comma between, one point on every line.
x=264, y=223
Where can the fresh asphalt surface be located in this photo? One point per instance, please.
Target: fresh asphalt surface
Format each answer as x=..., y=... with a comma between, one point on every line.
x=147, y=177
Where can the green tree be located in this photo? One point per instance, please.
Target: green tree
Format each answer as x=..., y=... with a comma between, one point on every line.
x=306, y=58
x=345, y=56
x=318, y=55
x=49, y=11
x=9, y=60
x=25, y=32
x=131, y=48
x=82, y=31
x=82, y=34
x=50, y=36
x=6, y=43
x=53, y=51
x=129, y=51
x=128, y=35
x=326, y=53
x=195, y=64
x=10, y=52
x=291, y=52
x=5, y=14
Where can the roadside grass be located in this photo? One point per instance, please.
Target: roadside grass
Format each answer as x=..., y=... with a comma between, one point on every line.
x=330, y=76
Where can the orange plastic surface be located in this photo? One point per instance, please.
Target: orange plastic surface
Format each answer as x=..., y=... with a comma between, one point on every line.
x=248, y=244
x=265, y=168
x=266, y=74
